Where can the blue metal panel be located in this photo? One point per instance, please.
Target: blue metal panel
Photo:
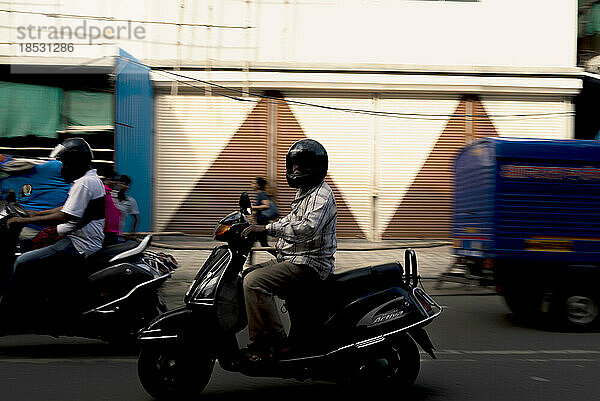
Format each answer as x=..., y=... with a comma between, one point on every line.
x=545, y=198
x=134, y=136
x=549, y=149
x=474, y=199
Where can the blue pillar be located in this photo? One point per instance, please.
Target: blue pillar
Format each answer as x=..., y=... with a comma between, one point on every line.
x=134, y=132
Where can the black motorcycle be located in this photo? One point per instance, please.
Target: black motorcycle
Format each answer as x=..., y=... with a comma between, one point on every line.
x=110, y=297
x=360, y=325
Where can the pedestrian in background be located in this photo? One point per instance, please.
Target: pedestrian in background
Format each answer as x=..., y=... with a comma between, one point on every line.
x=126, y=204
x=265, y=210
x=262, y=203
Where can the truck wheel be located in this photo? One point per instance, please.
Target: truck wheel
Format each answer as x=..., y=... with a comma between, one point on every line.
x=170, y=372
x=579, y=309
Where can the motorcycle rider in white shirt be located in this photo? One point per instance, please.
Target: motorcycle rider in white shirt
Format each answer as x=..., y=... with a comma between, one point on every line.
x=79, y=222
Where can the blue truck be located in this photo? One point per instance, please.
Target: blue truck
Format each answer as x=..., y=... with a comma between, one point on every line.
x=527, y=218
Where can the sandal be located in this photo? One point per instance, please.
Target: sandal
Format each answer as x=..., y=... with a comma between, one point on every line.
x=257, y=357
x=263, y=351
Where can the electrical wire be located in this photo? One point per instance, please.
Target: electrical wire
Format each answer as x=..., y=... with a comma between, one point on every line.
x=413, y=116
x=14, y=3
x=420, y=116
x=112, y=19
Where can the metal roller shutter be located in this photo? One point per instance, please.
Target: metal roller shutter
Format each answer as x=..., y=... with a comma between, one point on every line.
x=288, y=131
x=392, y=177
x=415, y=166
x=557, y=125
x=416, y=186
x=209, y=149
x=348, y=140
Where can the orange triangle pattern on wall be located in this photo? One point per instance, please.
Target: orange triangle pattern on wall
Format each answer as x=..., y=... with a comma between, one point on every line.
x=426, y=209
x=234, y=170
x=288, y=132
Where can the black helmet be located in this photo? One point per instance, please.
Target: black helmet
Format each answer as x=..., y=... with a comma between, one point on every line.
x=311, y=158
x=76, y=157
x=73, y=148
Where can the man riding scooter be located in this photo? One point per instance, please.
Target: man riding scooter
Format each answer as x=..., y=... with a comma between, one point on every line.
x=79, y=222
x=305, y=249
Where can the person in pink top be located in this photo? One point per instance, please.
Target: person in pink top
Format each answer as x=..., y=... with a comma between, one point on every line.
x=112, y=216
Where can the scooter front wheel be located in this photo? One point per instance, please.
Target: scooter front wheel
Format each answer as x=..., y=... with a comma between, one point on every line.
x=169, y=372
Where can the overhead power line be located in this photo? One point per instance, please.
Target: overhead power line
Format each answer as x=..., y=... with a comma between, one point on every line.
x=422, y=116
x=185, y=80
x=14, y=3
x=112, y=19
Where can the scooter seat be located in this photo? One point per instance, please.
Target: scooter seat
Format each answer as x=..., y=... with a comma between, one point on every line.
x=101, y=258
x=340, y=287
x=386, y=271
x=313, y=307
x=343, y=286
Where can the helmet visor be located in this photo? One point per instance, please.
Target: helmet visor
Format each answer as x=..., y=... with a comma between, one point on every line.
x=57, y=150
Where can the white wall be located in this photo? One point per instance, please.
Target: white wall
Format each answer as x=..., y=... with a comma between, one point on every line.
x=518, y=33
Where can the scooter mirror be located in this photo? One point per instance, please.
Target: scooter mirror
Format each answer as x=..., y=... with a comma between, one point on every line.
x=26, y=190
x=245, y=206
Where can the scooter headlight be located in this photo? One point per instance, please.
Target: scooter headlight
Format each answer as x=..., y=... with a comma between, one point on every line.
x=220, y=230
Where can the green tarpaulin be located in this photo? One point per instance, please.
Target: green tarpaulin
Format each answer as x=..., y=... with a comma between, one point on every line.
x=39, y=110
x=29, y=110
x=589, y=18
x=89, y=108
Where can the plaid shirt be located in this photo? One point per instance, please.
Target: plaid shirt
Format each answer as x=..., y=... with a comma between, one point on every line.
x=307, y=234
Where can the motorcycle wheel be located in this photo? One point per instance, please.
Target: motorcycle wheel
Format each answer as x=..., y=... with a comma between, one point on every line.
x=170, y=372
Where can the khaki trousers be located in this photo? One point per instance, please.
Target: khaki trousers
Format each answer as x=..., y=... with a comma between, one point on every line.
x=271, y=279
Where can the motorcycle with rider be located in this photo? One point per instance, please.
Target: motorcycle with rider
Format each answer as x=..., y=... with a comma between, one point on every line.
x=358, y=326
x=73, y=286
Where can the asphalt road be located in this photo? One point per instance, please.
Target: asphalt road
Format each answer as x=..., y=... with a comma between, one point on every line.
x=483, y=354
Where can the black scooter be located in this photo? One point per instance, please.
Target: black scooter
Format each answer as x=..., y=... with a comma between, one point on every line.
x=360, y=325
x=112, y=296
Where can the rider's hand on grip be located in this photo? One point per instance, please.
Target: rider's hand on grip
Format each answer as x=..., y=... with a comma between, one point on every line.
x=14, y=220
x=254, y=228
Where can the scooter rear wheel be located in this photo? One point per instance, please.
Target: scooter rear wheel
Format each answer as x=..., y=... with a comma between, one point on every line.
x=170, y=372
x=405, y=360
x=396, y=363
